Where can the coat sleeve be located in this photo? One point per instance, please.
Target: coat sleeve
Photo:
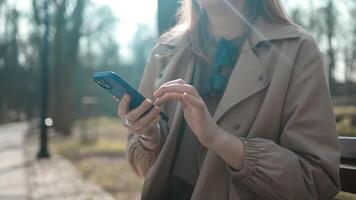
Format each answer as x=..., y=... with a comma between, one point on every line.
x=305, y=163
x=140, y=158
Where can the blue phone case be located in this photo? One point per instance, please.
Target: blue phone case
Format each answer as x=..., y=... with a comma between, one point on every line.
x=117, y=86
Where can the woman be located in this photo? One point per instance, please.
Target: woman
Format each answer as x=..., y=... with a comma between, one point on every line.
x=249, y=107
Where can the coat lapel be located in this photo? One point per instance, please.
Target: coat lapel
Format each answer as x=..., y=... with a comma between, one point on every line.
x=249, y=75
x=247, y=78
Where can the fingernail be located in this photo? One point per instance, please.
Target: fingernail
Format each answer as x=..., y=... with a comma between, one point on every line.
x=149, y=102
x=155, y=102
x=128, y=96
x=156, y=93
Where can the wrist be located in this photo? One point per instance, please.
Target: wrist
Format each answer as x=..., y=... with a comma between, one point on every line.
x=218, y=139
x=151, y=141
x=225, y=144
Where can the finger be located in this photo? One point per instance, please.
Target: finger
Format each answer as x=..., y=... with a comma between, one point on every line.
x=168, y=97
x=178, y=88
x=151, y=125
x=136, y=113
x=145, y=129
x=193, y=101
x=176, y=81
x=123, y=108
x=143, y=121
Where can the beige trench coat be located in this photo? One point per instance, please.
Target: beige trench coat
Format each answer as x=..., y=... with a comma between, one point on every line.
x=277, y=100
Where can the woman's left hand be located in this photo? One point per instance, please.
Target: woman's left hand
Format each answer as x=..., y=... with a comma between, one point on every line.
x=196, y=113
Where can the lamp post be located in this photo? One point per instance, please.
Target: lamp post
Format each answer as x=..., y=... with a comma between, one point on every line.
x=43, y=149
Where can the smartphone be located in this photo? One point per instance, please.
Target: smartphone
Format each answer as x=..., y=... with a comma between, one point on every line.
x=117, y=87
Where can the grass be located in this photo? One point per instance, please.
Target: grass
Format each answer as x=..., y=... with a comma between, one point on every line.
x=345, y=129
x=100, y=157
x=344, y=125
x=115, y=176
x=73, y=147
x=98, y=145
x=345, y=196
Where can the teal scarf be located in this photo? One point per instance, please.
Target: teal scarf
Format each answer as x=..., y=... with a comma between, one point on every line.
x=226, y=56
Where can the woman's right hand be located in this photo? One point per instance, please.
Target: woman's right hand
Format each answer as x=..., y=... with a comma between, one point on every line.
x=145, y=126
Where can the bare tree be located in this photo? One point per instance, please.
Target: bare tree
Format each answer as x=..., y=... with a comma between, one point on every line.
x=67, y=27
x=349, y=52
x=330, y=20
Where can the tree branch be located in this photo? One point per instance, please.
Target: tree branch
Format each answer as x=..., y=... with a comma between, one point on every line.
x=36, y=14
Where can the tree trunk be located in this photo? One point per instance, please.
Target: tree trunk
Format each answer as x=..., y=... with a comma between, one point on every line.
x=65, y=58
x=330, y=21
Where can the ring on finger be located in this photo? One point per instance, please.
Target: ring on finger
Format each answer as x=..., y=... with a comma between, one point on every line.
x=128, y=122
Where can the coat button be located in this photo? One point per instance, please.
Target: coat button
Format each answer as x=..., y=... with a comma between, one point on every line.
x=237, y=126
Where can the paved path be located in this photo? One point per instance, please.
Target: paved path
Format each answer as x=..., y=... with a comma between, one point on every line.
x=58, y=179
x=22, y=177
x=13, y=181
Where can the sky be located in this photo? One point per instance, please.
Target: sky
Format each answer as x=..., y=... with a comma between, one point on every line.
x=130, y=14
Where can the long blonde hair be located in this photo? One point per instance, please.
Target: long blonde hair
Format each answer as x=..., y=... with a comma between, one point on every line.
x=191, y=20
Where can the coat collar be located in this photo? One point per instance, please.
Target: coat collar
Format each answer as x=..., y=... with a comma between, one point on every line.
x=249, y=75
x=266, y=30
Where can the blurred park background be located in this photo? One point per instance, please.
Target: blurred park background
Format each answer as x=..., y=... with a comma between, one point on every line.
x=50, y=48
